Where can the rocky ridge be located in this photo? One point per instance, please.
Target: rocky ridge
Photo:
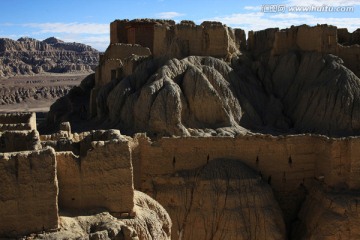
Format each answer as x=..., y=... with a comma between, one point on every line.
x=203, y=96
x=28, y=56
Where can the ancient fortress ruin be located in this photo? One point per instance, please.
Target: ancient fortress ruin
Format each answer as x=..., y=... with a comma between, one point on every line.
x=100, y=169
x=160, y=38
x=241, y=186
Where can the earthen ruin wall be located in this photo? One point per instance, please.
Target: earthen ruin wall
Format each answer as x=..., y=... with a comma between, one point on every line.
x=288, y=161
x=161, y=40
x=122, y=51
x=113, y=61
x=16, y=127
x=321, y=38
x=17, y=121
x=107, y=70
x=100, y=179
x=13, y=141
x=28, y=192
x=351, y=57
x=118, y=31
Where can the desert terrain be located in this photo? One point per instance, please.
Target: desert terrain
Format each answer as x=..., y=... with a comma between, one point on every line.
x=35, y=93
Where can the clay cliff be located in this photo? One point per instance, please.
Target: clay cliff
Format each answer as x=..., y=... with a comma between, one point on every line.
x=30, y=56
x=223, y=199
x=295, y=92
x=328, y=214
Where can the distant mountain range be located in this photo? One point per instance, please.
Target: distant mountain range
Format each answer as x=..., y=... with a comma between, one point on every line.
x=28, y=56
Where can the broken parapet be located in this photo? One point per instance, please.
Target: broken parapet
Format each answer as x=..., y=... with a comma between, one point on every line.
x=13, y=141
x=347, y=39
x=111, y=64
x=102, y=177
x=28, y=192
x=125, y=31
x=17, y=121
x=325, y=39
x=161, y=37
x=186, y=39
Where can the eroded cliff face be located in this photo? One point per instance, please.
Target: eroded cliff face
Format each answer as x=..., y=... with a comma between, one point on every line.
x=179, y=98
x=73, y=107
x=223, y=199
x=328, y=214
x=151, y=223
x=28, y=56
x=317, y=93
x=295, y=92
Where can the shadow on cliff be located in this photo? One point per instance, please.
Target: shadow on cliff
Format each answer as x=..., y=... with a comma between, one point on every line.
x=72, y=108
x=299, y=92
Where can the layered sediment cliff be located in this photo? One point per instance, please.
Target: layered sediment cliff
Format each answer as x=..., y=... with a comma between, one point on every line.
x=28, y=56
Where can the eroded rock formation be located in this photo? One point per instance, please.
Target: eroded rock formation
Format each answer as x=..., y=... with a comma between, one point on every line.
x=296, y=92
x=329, y=214
x=317, y=93
x=183, y=95
x=72, y=107
x=28, y=56
x=278, y=83
x=150, y=223
x=223, y=199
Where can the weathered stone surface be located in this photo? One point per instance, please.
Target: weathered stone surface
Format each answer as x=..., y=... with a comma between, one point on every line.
x=223, y=199
x=288, y=163
x=275, y=87
x=100, y=178
x=317, y=92
x=329, y=214
x=28, y=192
x=165, y=38
x=150, y=223
x=17, y=121
x=193, y=93
x=186, y=97
x=14, y=141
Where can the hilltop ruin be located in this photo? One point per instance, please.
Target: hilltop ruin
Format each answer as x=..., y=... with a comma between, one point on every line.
x=231, y=138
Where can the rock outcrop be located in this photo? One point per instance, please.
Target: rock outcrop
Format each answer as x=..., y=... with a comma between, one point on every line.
x=317, y=93
x=223, y=199
x=329, y=214
x=74, y=106
x=295, y=92
x=180, y=98
x=28, y=56
x=151, y=223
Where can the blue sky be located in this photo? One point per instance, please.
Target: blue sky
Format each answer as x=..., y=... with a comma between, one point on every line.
x=87, y=21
